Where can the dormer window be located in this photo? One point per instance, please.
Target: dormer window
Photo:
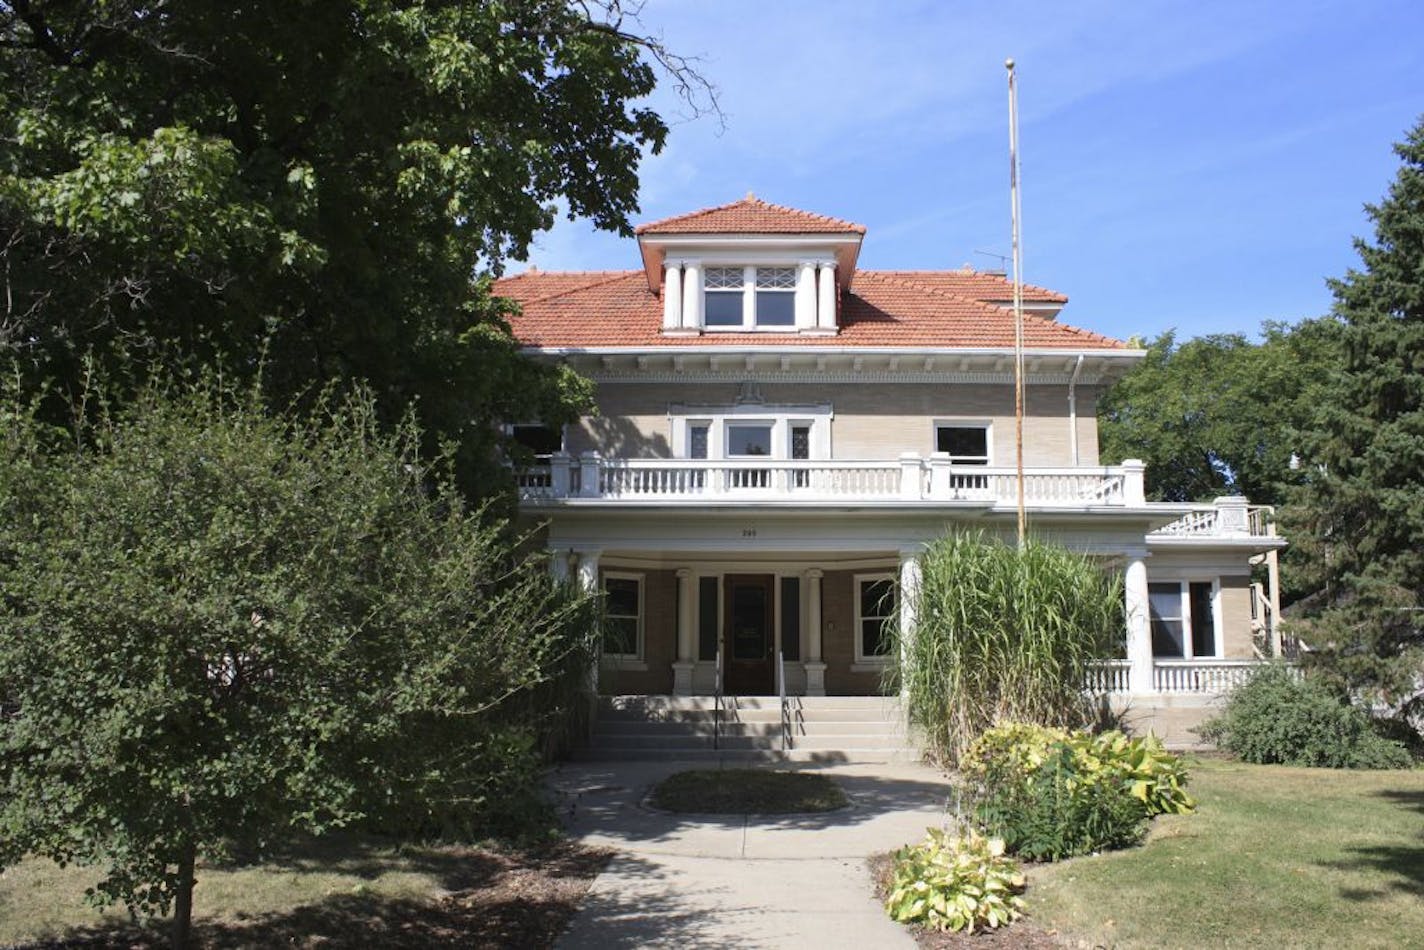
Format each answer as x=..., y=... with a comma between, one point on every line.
x=745, y=298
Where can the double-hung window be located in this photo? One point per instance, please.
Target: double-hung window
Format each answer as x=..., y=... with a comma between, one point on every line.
x=623, y=615
x=874, y=616
x=749, y=298
x=1183, y=619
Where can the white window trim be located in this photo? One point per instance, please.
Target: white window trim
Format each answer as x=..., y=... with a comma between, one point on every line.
x=986, y=424
x=630, y=661
x=863, y=663
x=1184, y=591
x=781, y=418
x=749, y=291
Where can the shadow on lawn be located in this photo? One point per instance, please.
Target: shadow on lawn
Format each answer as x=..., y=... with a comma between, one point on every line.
x=490, y=899
x=1402, y=865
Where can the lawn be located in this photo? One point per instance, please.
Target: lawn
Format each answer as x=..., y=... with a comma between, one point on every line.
x=346, y=891
x=1274, y=857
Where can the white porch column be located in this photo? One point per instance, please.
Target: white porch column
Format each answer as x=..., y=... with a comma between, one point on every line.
x=826, y=298
x=806, y=296
x=909, y=600
x=911, y=474
x=559, y=564
x=588, y=580
x=814, y=665
x=691, y=295
x=1139, y=623
x=672, y=296
x=686, y=635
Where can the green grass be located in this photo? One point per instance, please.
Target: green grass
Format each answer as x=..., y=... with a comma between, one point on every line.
x=1274, y=857
x=333, y=892
x=747, y=791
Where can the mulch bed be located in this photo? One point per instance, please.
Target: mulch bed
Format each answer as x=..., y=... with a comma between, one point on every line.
x=509, y=899
x=1022, y=933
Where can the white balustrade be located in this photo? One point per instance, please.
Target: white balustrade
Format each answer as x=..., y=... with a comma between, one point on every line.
x=1109, y=676
x=1204, y=676
x=792, y=480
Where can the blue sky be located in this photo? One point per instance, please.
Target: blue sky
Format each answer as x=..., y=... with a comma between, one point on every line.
x=1196, y=165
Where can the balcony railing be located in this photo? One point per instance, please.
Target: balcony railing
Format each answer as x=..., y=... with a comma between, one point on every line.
x=1229, y=515
x=908, y=478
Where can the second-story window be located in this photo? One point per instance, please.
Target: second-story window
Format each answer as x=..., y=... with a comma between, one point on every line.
x=966, y=444
x=746, y=298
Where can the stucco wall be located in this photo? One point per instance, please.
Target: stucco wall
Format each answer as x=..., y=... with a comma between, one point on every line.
x=872, y=421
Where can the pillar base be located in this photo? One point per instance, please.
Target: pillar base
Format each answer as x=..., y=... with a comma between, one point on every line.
x=815, y=678
x=682, y=678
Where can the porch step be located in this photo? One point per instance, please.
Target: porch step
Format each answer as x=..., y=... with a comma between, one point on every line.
x=823, y=728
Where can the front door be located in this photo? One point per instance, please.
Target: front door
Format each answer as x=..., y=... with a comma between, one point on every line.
x=747, y=634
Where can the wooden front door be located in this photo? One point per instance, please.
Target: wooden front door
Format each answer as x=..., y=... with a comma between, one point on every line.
x=748, y=634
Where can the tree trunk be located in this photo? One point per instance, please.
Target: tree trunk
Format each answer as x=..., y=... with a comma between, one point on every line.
x=183, y=902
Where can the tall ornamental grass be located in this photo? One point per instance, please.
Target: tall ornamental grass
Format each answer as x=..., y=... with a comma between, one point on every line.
x=1005, y=634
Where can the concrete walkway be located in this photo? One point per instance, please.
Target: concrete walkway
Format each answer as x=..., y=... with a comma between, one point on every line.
x=717, y=881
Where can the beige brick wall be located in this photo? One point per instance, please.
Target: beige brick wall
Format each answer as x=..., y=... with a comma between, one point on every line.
x=838, y=638
x=659, y=641
x=872, y=421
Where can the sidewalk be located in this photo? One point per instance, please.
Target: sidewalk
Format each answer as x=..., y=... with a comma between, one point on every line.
x=722, y=881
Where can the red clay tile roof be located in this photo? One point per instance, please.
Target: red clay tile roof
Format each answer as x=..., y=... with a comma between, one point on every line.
x=885, y=309
x=750, y=215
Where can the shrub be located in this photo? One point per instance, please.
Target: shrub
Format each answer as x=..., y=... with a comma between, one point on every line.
x=1276, y=718
x=1005, y=633
x=955, y=881
x=1051, y=794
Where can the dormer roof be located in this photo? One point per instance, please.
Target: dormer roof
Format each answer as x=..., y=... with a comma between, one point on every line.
x=750, y=215
x=755, y=226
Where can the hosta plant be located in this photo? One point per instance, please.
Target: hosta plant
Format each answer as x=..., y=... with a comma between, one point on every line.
x=955, y=880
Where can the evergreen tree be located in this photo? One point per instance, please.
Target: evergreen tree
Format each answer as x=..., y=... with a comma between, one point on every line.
x=1365, y=501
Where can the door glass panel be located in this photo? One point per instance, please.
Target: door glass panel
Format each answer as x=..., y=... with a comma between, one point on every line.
x=1203, y=621
x=749, y=633
x=697, y=442
x=800, y=450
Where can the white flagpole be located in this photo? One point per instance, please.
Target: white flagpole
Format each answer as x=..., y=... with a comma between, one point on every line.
x=1018, y=296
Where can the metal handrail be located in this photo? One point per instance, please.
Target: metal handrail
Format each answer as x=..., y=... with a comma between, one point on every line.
x=717, y=704
x=781, y=695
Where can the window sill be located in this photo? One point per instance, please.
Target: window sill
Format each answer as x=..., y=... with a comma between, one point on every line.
x=870, y=666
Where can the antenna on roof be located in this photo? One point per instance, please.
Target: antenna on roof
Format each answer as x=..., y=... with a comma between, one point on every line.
x=1003, y=259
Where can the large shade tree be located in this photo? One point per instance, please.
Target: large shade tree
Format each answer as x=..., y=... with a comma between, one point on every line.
x=1364, y=504
x=1221, y=414
x=316, y=182
x=225, y=626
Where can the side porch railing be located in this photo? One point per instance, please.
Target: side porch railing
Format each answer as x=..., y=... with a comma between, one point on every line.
x=1203, y=677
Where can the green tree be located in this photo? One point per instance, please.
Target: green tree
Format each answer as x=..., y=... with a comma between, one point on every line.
x=1221, y=415
x=197, y=178
x=222, y=627
x=1364, y=502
